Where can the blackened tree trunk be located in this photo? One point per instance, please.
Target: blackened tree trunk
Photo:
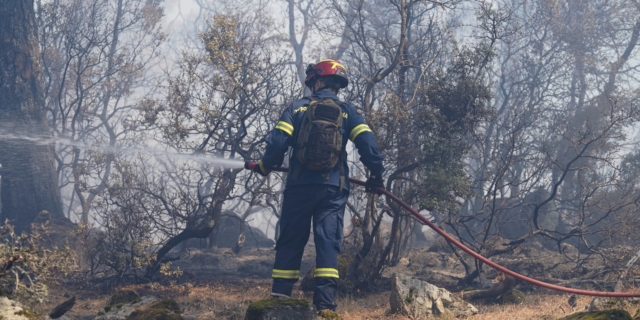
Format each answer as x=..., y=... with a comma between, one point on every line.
x=28, y=176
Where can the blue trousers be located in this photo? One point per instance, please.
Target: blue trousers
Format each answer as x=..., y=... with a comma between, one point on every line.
x=324, y=205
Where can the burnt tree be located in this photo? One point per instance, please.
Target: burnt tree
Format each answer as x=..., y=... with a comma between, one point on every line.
x=28, y=175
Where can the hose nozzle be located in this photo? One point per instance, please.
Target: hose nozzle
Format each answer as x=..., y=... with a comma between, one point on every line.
x=249, y=165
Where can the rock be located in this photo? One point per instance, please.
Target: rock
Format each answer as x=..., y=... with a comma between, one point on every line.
x=613, y=314
x=329, y=315
x=440, y=245
x=10, y=309
x=146, y=308
x=121, y=297
x=251, y=268
x=166, y=309
x=121, y=310
x=281, y=309
x=418, y=299
x=228, y=231
x=603, y=303
x=71, y=315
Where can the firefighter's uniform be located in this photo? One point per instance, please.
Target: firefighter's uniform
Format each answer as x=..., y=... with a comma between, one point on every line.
x=314, y=196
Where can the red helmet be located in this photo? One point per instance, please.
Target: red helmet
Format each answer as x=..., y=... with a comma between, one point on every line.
x=327, y=67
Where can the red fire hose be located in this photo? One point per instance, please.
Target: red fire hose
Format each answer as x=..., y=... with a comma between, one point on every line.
x=251, y=165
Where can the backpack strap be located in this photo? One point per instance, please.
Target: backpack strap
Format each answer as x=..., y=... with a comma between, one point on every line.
x=296, y=145
x=343, y=156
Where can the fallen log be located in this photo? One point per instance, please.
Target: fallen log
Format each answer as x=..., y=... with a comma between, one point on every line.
x=61, y=309
x=504, y=284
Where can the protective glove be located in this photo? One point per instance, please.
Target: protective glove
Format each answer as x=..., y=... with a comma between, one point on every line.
x=259, y=168
x=374, y=183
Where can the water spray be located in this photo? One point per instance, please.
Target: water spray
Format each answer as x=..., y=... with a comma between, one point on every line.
x=251, y=165
x=48, y=140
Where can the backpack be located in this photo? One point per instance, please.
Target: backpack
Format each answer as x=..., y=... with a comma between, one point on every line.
x=318, y=144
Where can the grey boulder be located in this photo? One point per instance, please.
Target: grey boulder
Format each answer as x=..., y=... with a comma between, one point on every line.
x=419, y=299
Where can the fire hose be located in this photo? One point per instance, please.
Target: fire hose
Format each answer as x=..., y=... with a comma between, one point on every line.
x=251, y=165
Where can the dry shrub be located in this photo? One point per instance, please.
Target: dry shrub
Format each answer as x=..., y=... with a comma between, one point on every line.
x=365, y=275
x=119, y=252
x=116, y=252
x=27, y=267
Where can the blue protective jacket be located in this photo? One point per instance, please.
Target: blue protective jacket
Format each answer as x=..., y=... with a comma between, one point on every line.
x=354, y=129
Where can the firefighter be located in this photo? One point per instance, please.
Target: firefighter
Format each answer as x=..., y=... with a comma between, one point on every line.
x=313, y=194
